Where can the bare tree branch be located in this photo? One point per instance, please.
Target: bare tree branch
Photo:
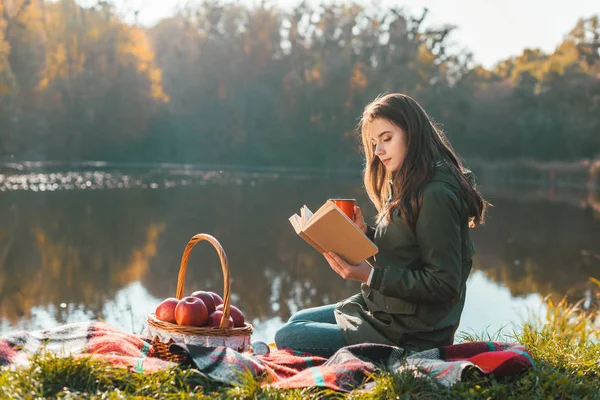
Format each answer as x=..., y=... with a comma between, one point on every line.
x=13, y=21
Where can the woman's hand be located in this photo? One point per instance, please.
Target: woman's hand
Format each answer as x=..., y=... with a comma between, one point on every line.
x=359, y=220
x=358, y=272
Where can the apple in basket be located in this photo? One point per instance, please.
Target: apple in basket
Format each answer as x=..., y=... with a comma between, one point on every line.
x=191, y=311
x=207, y=298
x=218, y=299
x=166, y=310
x=214, y=319
x=235, y=314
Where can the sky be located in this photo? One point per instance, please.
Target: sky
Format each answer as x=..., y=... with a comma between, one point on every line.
x=492, y=30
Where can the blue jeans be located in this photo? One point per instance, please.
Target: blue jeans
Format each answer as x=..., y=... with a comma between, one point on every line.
x=312, y=330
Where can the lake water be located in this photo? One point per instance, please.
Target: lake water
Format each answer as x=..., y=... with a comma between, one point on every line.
x=76, y=246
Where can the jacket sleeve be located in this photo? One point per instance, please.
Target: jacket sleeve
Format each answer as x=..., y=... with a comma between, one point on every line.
x=438, y=232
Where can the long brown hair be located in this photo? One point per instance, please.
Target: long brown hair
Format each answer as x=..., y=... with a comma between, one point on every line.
x=426, y=146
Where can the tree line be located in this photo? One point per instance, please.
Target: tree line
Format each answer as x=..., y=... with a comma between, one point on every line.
x=226, y=83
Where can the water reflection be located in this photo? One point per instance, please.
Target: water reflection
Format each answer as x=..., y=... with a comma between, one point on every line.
x=540, y=242
x=68, y=255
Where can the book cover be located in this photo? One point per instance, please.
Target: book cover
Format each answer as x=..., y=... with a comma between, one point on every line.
x=329, y=229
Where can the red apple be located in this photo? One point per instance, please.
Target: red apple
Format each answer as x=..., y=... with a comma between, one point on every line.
x=191, y=311
x=165, y=311
x=214, y=319
x=218, y=299
x=235, y=313
x=207, y=298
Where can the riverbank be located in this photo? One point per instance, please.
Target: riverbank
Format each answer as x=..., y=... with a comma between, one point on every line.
x=564, y=345
x=576, y=174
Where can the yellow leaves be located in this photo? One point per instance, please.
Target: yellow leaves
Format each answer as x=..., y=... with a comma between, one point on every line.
x=424, y=56
x=82, y=44
x=259, y=42
x=5, y=74
x=95, y=33
x=56, y=66
x=260, y=39
x=40, y=236
x=566, y=58
x=31, y=17
x=2, y=26
x=482, y=73
x=358, y=79
x=313, y=75
x=64, y=45
x=4, y=52
x=43, y=83
x=156, y=90
x=316, y=73
x=136, y=49
x=530, y=62
x=4, y=88
x=504, y=67
x=426, y=63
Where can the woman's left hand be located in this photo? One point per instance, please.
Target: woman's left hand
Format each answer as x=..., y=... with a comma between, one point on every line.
x=358, y=272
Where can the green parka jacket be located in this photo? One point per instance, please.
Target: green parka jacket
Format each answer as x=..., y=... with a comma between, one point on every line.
x=420, y=294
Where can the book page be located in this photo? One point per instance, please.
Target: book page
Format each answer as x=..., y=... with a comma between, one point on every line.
x=296, y=222
x=306, y=215
x=323, y=210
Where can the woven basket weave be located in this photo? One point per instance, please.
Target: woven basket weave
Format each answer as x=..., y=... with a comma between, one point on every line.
x=190, y=332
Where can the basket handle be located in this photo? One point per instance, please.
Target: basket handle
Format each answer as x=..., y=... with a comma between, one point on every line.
x=224, y=265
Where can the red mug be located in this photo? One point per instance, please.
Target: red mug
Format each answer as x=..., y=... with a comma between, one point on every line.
x=346, y=205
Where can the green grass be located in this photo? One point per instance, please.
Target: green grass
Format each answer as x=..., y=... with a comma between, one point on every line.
x=564, y=344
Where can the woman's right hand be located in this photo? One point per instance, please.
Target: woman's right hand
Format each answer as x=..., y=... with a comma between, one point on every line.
x=359, y=220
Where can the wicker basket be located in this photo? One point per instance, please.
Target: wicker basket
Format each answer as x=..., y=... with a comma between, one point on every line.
x=236, y=337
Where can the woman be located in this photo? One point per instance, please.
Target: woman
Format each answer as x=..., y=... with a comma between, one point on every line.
x=414, y=293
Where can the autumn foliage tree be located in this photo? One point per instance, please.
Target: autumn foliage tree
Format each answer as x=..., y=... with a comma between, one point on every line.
x=84, y=82
x=227, y=83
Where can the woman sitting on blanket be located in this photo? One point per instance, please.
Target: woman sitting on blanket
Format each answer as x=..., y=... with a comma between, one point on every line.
x=414, y=295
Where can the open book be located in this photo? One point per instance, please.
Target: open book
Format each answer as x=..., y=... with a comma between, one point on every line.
x=329, y=229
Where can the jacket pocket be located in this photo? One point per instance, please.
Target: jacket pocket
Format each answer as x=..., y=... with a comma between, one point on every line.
x=377, y=302
x=394, y=305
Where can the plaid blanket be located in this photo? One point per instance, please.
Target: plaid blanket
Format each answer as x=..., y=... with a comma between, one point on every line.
x=349, y=367
x=85, y=339
x=346, y=370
